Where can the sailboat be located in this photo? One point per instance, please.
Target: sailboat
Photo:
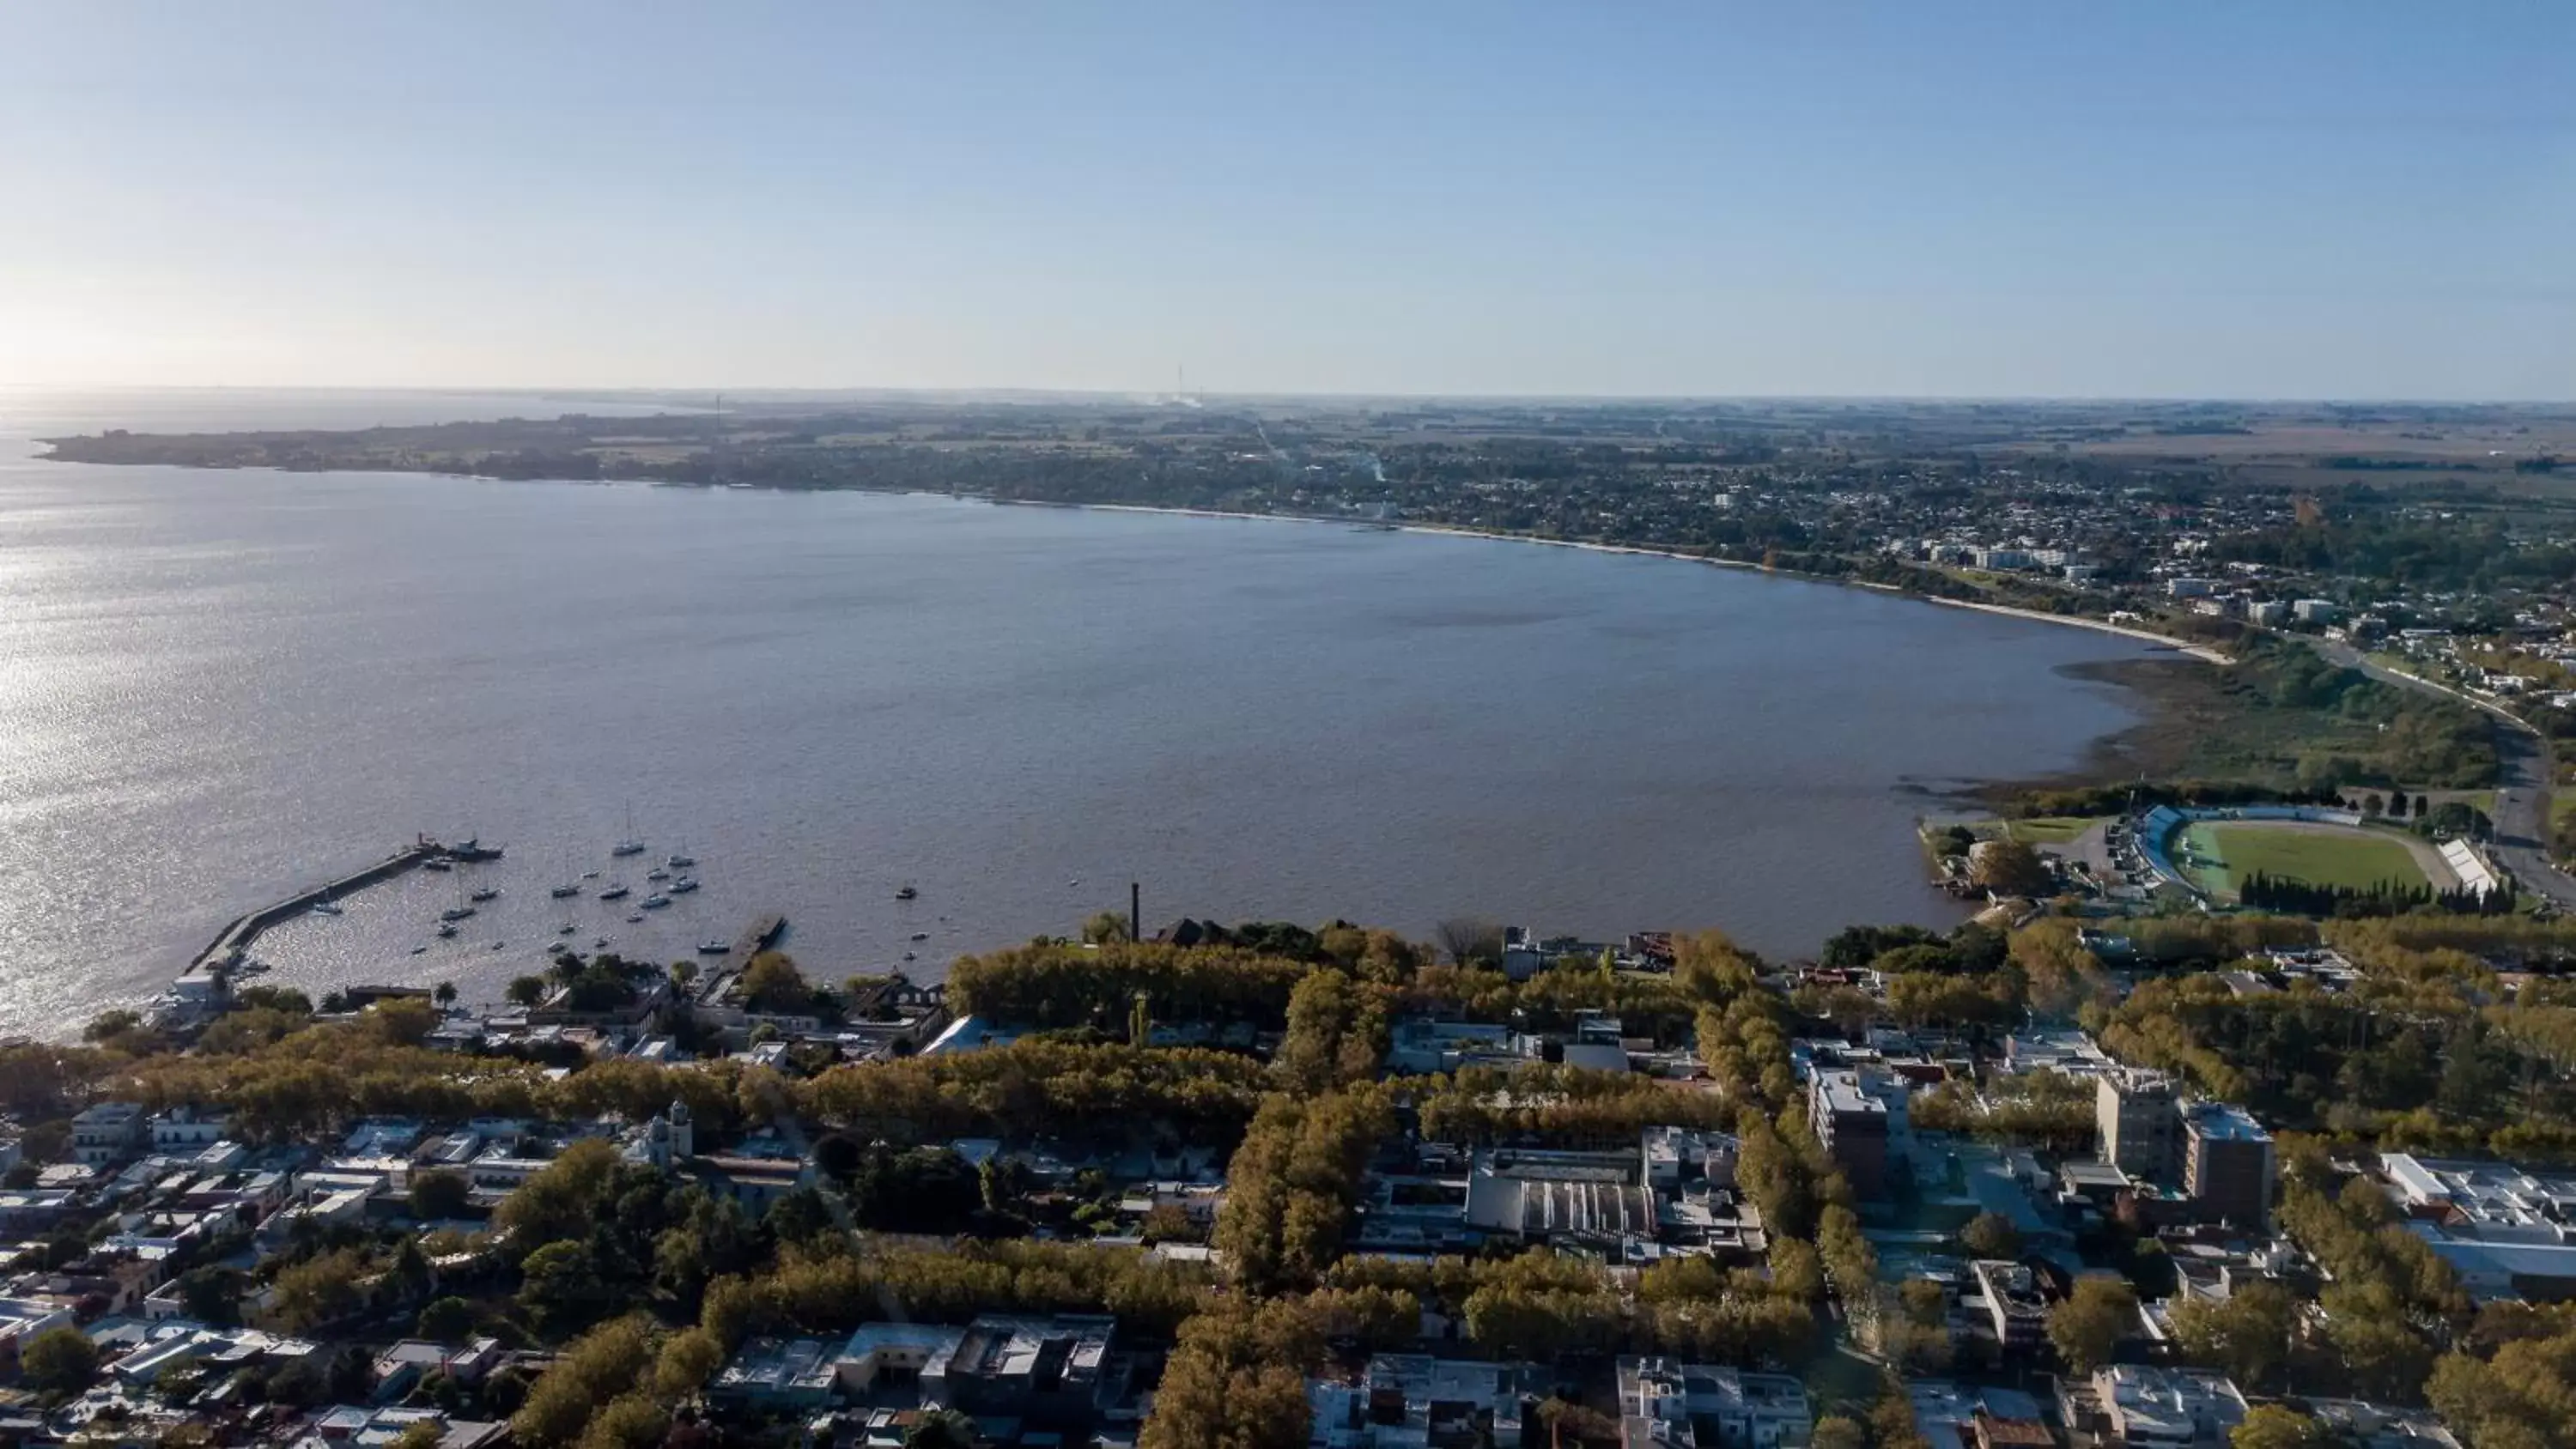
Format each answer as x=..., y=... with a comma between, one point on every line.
x=570, y=887
x=628, y=845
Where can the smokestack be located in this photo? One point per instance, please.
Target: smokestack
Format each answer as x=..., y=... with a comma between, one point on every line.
x=1135, y=911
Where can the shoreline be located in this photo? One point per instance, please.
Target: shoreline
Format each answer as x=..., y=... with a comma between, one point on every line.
x=2201, y=652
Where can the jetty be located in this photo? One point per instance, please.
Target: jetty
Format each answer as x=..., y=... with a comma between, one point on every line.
x=763, y=934
x=232, y=946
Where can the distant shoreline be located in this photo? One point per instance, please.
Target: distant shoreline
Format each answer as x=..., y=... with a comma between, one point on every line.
x=2202, y=652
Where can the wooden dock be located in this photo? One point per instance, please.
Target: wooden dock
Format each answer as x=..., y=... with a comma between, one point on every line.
x=762, y=935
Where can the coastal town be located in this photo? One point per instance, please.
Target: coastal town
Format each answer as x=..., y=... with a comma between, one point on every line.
x=2197, y=1178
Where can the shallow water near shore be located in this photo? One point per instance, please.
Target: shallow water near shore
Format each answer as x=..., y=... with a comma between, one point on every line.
x=219, y=688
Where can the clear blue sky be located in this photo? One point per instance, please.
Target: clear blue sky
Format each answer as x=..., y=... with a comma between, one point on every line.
x=2268, y=200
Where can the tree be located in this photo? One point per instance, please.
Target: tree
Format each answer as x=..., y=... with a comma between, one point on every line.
x=560, y=1286
x=2270, y=1426
x=2245, y=1335
x=527, y=990
x=213, y=1294
x=772, y=983
x=1470, y=941
x=440, y=1193
x=1991, y=1235
x=941, y=1429
x=1836, y=1432
x=2089, y=1325
x=1103, y=927
x=322, y=1289
x=2373, y=806
x=2396, y=804
x=444, y=993
x=2013, y=868
x=446, y=1320
x=59, y=1361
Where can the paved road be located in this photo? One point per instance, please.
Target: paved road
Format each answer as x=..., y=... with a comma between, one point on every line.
x=2522, y=794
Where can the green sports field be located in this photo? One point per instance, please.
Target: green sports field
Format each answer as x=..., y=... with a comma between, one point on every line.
x=2219, y=854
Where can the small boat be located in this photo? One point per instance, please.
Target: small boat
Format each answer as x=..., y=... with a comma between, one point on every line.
x=714, y=948
x=566, y=929
x=628, y=844
x=657, y=873
x=907, y=893
x=616, y=891
x=447, y=928
x=907, y=955
x=921, y=935
x=633, y=916
x=590, y=875
x=681, y=862
x=497, y=945
x=419, y=950
x=485, y=894
x=562, y=891
x=326, y=908
x=655, y=901
x=684, y=885
x=599, y=943
x=455, y=913
x=438, y=863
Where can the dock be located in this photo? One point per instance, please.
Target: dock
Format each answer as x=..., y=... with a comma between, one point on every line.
x=762, y=935
x=232, y=946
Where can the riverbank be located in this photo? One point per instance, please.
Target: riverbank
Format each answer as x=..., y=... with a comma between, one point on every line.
x=2198, y=651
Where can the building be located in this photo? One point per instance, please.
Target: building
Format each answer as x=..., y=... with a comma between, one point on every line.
x=1053, y=1371
x=1851, y=1122
x=2128, y=1406
x=1675, y=1405
x=771, y=1374
x=187, y=1130
x=1415, y=1401
x=2015, y=1308
x=2270, y=613
x=2228, y=1165
x=2316, y=611
x=1952, y=1415
x=2140, y=1124
x=1675, y=1155
x=107, y=1133
x=2509, y=1232
x=1593, y=1197
x=895, y=1354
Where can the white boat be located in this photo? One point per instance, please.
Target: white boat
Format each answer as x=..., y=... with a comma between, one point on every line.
x=326, y=908
x=562, y=891
x=566, y=929
x=485, y=894
x=681, y=861
x=628, y=844
x=714, y=948
x=615, y=891
x=599, y=943
x=455, y=913
x=657, y=873
x=655, y=901
x=684, y=885
x=633, y=916
x=447, y=928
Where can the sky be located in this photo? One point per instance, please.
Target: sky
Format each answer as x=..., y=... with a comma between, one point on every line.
x=2280, y=200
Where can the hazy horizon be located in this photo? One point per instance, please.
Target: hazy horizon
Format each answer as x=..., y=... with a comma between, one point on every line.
x=1991, y=202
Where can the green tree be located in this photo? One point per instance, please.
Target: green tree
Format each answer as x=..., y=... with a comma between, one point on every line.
x=2270, y=1426
x=527, y=990
x=2090, y=1323
x=439, y=1194
x=446, y=1320
x=2013, y=868
x=2245, y=1335
x=1991, y=1235
x=942, y=1428
x=59, y=1361
x=444, y=994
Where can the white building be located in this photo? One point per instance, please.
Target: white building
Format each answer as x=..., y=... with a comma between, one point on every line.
x=107, y=1132
x=1703, y=1406
x=2129, y=1406
x=2504, y=1229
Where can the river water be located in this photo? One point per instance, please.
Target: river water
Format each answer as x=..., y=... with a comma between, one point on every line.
x=219, y=688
